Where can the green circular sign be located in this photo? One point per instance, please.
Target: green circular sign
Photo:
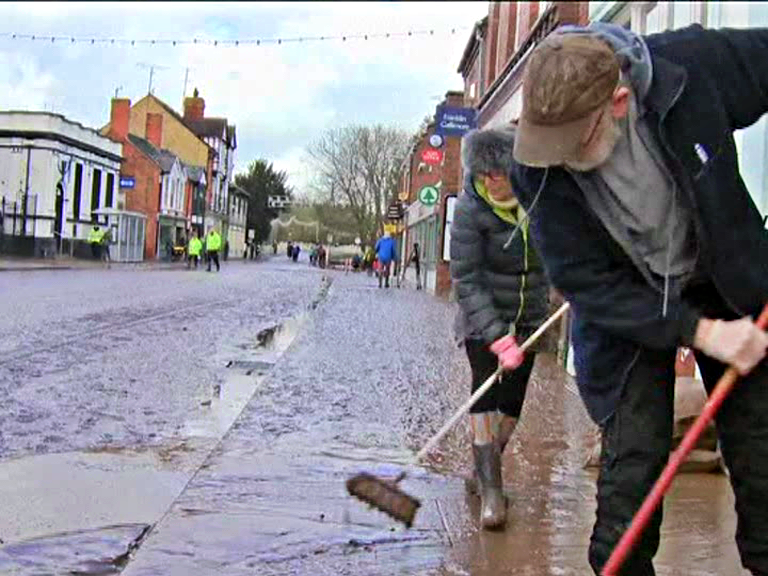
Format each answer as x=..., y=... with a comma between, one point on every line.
x=429, y=195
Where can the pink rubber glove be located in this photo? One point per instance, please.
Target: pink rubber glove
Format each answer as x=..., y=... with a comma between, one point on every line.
x=509, y=353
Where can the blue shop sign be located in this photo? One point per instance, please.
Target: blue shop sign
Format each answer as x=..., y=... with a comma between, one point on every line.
x=455, y=121
x=127, y=182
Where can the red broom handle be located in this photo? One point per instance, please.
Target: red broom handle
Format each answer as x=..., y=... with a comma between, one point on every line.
x=643, y=515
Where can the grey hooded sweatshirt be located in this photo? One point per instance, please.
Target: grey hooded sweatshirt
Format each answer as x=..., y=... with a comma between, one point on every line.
x=633, y=193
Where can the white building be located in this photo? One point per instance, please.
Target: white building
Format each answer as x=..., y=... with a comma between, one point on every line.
x=221, y=137
x=55, y=175
x=238, y=218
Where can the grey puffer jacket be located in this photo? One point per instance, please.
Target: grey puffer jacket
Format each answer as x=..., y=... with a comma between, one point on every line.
x=500, y=284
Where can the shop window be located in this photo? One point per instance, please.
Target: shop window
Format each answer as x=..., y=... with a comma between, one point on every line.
x=683, y=14
x=653, y=18
x=450, y=204
x=95, y=194
x=108, y=202
x=78, y=191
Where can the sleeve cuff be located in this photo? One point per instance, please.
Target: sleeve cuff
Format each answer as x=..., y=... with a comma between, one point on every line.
x=689, y=320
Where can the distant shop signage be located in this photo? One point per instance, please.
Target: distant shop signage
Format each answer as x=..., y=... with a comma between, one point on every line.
x=432, y=156
x=395, y=211
x=452, y=121
x=429, y=195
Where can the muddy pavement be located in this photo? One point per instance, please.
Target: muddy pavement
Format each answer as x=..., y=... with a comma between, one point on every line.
x=370, y=376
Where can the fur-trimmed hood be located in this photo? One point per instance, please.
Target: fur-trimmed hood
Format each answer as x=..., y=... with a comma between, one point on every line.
x=484, y=151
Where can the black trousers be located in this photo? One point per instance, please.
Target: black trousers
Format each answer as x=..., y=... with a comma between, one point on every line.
x=506, y=396
x=637, y=439
x=192, y=258
x=213, y=255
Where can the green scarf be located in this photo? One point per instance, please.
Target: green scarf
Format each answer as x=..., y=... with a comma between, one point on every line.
x=510, y=212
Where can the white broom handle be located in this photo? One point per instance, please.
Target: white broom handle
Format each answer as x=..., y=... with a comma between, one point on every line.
x=486, y=385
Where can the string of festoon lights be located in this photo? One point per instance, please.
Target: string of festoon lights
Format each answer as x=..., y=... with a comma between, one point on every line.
x=104, y=40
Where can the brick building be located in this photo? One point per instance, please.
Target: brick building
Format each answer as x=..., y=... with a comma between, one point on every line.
x=494, y=59
x=429, y=224
x=155, y=181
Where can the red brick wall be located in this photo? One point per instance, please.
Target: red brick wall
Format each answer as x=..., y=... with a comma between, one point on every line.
x=119, y=118
x=194, y=108
x=573, y=12
x=492, y=42
x=145, y=196
x=154, y=129
x=503, y=37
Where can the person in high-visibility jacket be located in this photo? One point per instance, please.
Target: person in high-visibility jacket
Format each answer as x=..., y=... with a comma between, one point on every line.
x=94, y=239
x=194, y=249
x=212, y=247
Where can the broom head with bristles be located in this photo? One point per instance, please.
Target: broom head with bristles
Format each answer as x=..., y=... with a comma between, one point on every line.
x=384, y=495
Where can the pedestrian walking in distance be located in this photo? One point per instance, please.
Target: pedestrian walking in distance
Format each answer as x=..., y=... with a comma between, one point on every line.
x=212, y=247
x=104, y=242
x=415, y=259
x=502, y=294
x=194, y=249
x=386, y=252
x=627, y=167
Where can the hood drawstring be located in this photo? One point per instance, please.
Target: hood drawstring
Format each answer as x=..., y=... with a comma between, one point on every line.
x=528, y=213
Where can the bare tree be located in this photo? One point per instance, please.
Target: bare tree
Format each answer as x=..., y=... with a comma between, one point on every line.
x=358, y=167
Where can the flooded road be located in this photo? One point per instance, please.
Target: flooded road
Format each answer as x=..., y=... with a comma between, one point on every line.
x=202, y=424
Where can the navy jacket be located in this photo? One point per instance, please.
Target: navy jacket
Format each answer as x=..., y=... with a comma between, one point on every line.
x=706, y=84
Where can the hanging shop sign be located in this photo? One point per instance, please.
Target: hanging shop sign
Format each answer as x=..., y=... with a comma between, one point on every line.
x=452, y=121
x=429, y=195
x=432, y=156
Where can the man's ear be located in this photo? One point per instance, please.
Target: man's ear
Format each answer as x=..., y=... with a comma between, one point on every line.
x=620, y=102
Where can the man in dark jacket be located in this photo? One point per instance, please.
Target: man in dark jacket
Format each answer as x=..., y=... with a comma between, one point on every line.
x=628, y=168
x=502, y=293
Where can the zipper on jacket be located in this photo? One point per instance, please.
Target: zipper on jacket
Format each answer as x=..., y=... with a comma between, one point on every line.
x=671, y=152
x=525, y=271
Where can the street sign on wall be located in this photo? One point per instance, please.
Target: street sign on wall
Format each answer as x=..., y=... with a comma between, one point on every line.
x=395, y=211
x=452, y=121
x=127, y=182
x=278, y=201
x=429, y=195
x=432, y=156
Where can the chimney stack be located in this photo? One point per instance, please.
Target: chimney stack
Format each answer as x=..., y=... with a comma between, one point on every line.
x=119, y=118
x=154, y=129
x=194, y=107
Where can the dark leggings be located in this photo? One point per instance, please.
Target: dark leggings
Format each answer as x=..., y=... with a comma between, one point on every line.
x=506, y=396
x=213, y=256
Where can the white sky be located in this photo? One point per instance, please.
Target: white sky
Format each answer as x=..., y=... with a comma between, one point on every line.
x=280, y=97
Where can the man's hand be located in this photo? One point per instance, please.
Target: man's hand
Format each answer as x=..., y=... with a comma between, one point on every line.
x=738, y=343
x=509, y=353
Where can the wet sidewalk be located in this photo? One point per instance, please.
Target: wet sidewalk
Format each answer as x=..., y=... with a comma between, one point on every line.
x=13, y=264
x=371, y=376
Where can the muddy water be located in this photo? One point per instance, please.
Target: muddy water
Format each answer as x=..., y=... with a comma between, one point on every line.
x=84, y=512
x=359, y=391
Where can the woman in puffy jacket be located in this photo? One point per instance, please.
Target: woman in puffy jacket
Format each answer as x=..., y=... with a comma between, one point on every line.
x=502, y=292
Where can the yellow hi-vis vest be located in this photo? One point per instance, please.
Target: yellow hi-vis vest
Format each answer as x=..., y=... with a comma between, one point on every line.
x=94, y=236
x=213, y=242
x=195, y=247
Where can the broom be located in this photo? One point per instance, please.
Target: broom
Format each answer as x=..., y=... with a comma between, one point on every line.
x=386, y=495
x=652, y=501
